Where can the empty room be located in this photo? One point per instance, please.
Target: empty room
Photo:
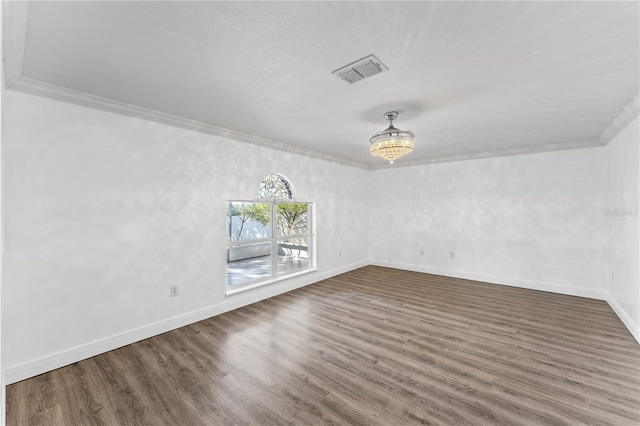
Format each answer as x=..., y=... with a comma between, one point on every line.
x=309, y=213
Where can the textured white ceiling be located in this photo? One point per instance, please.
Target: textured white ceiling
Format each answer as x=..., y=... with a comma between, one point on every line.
x=467, y=77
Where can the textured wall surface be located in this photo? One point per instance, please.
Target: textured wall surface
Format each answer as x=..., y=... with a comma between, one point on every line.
x=622, y=217
x=105, y=212
x=2, y=374
x=531, y=220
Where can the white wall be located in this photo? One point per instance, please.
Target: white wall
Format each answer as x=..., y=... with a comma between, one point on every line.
x=2, y=374
x=623, y=157
x=533, y=221
x=104, y=212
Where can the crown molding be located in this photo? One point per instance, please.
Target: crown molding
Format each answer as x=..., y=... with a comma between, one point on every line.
x=51, y=91
x=15, y=17
x=39, y=88
x=14, y=27
x=626, y=116
x=622, y=120
x=589, y=143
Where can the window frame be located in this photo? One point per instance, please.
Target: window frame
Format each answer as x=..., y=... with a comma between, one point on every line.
x=275, y=239
x=309, y=235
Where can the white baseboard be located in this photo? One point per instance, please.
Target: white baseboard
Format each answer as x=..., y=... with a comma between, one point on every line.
x=532, y=285
x=47, y=363
x=513, y=282
x=3, y=399
x=631, y=325
x=51, y=362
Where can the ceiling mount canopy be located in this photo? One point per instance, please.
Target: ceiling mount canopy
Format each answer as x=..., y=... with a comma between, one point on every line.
x=391, y=143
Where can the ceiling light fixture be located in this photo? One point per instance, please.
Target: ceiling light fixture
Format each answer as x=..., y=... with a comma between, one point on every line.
x=391, y=143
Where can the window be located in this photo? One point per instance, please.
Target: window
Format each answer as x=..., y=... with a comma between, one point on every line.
x=269, y=238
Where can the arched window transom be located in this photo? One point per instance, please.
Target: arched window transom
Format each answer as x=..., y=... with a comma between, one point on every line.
x=275, y=187
x=270, y=238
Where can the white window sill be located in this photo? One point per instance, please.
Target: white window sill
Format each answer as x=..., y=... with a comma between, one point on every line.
x=243, y=288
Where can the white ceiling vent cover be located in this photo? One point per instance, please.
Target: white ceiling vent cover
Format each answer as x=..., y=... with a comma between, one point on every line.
x=360, y=69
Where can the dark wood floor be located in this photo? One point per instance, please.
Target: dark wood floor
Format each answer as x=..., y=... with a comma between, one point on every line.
x=374, y=346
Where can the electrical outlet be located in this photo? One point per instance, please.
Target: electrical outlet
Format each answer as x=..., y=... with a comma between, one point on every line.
x=173, y=291
x=421, y=252
x=339, y=253
x=453, y=255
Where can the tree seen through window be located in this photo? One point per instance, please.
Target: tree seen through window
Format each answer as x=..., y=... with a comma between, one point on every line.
x=268, y=238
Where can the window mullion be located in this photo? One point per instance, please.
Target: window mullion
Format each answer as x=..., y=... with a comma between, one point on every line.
x=249, y=267
x=274, y=241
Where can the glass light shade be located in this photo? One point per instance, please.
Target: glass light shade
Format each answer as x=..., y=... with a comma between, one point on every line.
x=392, y=143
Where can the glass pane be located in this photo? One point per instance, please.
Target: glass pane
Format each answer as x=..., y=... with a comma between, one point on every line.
x=248, y=221
x=292, y=218
x=274, y=187
x=293, y=255
x=248, y=262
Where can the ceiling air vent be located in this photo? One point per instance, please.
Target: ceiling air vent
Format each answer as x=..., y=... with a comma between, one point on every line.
x=361, y=69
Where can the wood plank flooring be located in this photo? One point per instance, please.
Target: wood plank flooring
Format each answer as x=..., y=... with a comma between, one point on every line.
x=374, y=346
